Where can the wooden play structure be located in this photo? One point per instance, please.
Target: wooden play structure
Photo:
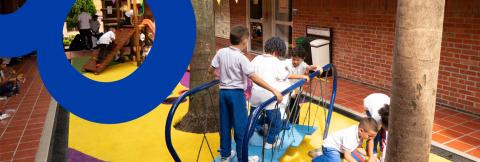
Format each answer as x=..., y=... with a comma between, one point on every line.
x=113, y=11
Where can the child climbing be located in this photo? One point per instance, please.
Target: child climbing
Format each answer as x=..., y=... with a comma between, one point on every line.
x=269, y=67
x=105, y=43
x=234, y=69
x=297, y=66
x=346, y=141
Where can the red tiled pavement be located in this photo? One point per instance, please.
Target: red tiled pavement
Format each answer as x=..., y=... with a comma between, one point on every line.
x=20, y=134
x=451, y=128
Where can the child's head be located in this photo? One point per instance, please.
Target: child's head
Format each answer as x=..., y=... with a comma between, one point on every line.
x=298, y=55
x=111, y=29
x=368, y=128
x=275, y=46
x=94, y=17
x=239, y=36
x=384, y=112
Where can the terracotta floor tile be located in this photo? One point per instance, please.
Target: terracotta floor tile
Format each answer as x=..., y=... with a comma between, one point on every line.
x=462, y=129
x=472, y=125
x=475, y=152
x=437, y=127
x=8, y=148
x=25, y=153
x=470, y=140
x=28, y=145
x=29, y=159
x=6, y=156
x=459, y=145
x=450, y=133
x=440, y=138
x=476, y=134
x=444, y=123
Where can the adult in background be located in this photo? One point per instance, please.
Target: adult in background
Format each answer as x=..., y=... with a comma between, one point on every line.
x=85, y=28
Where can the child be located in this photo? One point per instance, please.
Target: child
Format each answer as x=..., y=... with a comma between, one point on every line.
x=384, y=113
x=297, y=66
x=85, y=29
x=346, y=141
x=372, y=104
x=234, y=69
x=274, y=72
x=105, y=43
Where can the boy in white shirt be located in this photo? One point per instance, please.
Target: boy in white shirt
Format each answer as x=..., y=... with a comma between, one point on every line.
x=372, y=104
x=234, y=69
x=105, y=43
x=346, y=141
x=297, y=66
x=274, y=72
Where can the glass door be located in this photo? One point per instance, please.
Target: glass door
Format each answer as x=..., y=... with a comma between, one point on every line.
x=282, y=24
x=267, y=18
x=256, y=25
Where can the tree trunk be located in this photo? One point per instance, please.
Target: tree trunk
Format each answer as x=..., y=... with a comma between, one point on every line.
x=419, y=26
x=202, y=115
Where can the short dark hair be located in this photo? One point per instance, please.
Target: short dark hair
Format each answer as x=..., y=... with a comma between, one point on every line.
x=384, y=113
x=299, y=51
x=369, y=124
x=275, y=44
x=238, y=34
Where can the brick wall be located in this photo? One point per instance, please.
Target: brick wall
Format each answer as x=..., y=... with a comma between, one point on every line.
x=363, y=44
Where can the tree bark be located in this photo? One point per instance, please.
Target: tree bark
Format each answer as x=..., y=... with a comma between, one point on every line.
x=419, y=26
x=202, y=114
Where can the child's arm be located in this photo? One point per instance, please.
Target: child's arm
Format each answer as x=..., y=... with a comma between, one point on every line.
x=348, y=156
x=259, y=81
x=371, y=157
x=297, y=76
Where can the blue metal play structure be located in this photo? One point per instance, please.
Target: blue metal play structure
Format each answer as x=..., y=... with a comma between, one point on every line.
x=291, y=135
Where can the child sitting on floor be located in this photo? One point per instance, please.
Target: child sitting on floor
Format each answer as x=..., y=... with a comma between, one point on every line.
x=274, y=72
x=296, y=65
x=346, y=141
x=105, y=43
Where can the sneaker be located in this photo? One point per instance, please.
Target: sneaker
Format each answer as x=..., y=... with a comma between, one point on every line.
x=232, y=155
x=270, y=146
x=4, y=116
x=253, y=158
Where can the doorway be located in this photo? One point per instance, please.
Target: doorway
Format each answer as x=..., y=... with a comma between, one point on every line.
x=268, y=19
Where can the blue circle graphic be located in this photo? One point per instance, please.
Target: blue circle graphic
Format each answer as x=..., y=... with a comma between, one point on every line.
x=133, y=96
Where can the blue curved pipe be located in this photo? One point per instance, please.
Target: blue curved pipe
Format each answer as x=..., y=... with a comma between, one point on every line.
x=171, y=113
x=252, y=119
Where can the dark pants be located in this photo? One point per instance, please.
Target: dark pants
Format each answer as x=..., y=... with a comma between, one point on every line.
x=86, y=36
x=273, y=118
x=294, y=108
x=233, y=113
x=104, y=49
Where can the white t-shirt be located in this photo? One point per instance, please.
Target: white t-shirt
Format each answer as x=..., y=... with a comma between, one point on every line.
x=299, y=70
x=375, y=102
x=107, y=38
x=234, y=68
x=343, y=140
x=84, y=20
x=274, y=73
x=129, y=13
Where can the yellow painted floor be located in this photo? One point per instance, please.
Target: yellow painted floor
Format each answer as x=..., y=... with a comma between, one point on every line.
x=143, y=139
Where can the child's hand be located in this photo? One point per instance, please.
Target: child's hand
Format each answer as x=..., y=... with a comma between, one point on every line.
x=307, y=78
x=312, y=68
x=373, y=159
x=278, y=95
